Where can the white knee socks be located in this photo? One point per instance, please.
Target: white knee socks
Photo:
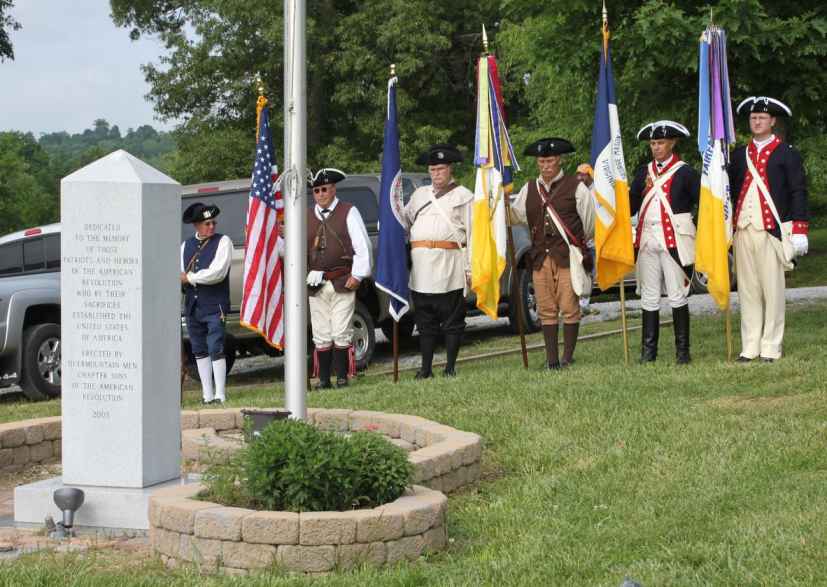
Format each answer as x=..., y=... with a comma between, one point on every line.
x=205, y=373
x=219, y=369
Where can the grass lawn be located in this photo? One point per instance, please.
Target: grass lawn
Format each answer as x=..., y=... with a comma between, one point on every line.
x=711, y=474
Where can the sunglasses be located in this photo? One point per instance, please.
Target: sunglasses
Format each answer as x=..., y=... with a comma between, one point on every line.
x=321, y=190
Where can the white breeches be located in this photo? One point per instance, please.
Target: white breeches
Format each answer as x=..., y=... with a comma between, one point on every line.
x=655, y=269
x=331, y=316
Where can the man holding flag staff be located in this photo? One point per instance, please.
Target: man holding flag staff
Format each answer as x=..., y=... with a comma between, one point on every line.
x=559, y=211
x=662, y=194
x=338, y=259
x=769, y=191
x=439, y=217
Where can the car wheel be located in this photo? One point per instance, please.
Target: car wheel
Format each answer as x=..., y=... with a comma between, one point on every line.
x=406, y=328
x=528, y=304
x=229, y=354
x=364, y=336
x=41, y=374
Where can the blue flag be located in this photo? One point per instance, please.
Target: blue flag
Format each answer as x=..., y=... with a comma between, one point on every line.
x=392, y=257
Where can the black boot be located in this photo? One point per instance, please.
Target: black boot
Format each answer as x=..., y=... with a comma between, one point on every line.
x=426, y=348
x=342, y=360
x=325, y=359
x=550, y=337
x=680, y=316
x=649, y=337
x=452, y=342
x=569, y=342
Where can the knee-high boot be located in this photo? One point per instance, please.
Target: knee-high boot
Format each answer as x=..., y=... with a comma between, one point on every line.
x=325, y=358
x=426, y=348
x=680, y=316
x=341, y=358
x=552, y=352
x=452, y=342
x=649, y=336
x=570, y=332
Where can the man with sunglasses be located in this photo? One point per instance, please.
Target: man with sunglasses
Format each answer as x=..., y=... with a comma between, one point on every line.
x=338, y=259
x=205, y=278
x=439, y=217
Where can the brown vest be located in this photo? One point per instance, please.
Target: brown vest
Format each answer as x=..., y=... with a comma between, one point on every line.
x=545, y=238
x=329, y=247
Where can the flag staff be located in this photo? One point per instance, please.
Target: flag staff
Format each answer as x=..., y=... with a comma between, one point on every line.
x=395, y=322
x=515, y=296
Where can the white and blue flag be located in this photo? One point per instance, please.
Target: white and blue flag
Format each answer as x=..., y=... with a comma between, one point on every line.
x=392, y=257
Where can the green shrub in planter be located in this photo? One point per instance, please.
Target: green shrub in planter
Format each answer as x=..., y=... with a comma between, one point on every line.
x=293, y=466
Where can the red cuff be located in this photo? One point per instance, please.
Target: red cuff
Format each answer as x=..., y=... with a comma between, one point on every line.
x=801, y=227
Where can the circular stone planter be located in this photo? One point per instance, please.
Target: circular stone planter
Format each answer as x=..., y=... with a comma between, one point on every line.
x=237, y=541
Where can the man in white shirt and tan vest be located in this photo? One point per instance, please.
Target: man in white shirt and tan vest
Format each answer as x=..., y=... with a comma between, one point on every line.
x=769, y=192
x=663, y=194
x=338, y=260
x=206, y=258
x=559, y=212
x=439, y=218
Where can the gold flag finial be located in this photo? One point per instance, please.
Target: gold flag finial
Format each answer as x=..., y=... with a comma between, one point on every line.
x=259, y=84
x=393, y=69
x=605, y=14
x=484, y=40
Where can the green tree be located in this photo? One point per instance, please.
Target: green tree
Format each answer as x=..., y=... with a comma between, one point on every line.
x=7, y=23
x=27, y=188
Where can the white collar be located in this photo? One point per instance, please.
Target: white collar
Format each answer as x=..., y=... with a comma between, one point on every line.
x=665, y=163
x=331, y=207
x=555, y=178
x=761, y=144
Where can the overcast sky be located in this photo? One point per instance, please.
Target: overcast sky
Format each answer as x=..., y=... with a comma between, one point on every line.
x=72, y=65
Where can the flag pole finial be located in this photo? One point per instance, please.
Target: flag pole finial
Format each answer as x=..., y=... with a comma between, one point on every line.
x=484, y=40
x=259, y=84
x=393, y=69
x=605, y=14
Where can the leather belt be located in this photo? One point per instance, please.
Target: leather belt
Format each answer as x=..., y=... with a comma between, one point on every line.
x=434, y=245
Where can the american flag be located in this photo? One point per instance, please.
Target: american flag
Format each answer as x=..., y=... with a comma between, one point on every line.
x=262, y=304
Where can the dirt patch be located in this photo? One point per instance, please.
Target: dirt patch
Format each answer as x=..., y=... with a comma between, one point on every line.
x=30, y=474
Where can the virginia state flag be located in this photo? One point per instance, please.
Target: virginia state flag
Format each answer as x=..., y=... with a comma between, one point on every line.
x=392, y=257
x=494, y=158
x=715, y=131
x=614, y=252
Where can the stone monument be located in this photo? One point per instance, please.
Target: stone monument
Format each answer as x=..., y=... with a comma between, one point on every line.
x=121, y=341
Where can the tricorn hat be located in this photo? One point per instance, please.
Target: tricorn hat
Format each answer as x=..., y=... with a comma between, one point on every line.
x=549, y=147
x=441, y=154
x=199, y=212
x=662, y=129
x=771, y=106
x=326, y=176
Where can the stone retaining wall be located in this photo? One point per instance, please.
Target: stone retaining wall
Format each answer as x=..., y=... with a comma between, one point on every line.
x=444, y=458
x=236, y=541
x=27, y=442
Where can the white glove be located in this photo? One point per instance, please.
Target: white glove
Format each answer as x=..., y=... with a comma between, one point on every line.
x=315, y=278
x=800, y=244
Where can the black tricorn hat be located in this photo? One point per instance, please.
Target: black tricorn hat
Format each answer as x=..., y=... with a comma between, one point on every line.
x=771, y=106
x=199, y=212
x=549, y=147
x=662, y=129
x=326, y=176
x=441, y=154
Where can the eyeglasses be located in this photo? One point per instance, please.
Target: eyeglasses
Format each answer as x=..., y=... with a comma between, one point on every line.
x=320, y=190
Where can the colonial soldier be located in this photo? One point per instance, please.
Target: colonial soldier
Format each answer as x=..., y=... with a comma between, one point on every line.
x=338, y=259
x=205, y=276
x=769, y=192
x=662, y=195
x=439, y=217
x=559, y=211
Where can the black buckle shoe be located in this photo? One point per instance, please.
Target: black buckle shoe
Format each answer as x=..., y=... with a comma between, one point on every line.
x=449, y=372
x=324, y=385
x=423, y=374
x=767, y=360
x=553, y=366
x=341, y=382
x=743, y=359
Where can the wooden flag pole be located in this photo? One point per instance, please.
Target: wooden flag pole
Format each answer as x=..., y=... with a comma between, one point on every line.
x=514, y=295
x=623, y=324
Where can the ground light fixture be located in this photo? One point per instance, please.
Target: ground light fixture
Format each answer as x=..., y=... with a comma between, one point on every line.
x=68, y=500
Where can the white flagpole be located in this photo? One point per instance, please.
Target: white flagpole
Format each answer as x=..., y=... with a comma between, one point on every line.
x=295, y=210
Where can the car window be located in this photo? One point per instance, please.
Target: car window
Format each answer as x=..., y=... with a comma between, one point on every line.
x=52, y=243
x=11, y=258
x=33, y=259
x=233, y=218
x=365, y=201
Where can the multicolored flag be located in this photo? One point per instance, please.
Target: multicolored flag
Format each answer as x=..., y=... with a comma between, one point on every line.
x=262, y=303
x=392, y=256
x=495, y=161
x=614, y=254
x=716, y=131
